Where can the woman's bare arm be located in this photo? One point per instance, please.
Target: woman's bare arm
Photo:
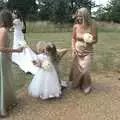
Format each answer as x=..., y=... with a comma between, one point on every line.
x=3, y=42
x=94, y=33
x=74, y=37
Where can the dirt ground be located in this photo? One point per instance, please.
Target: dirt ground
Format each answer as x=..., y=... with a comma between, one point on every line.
x=103, y=103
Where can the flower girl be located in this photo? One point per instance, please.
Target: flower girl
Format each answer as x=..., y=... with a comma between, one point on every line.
x=59, y=55
x=45, y=84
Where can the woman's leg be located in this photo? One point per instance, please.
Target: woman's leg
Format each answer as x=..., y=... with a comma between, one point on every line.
x=86, y=81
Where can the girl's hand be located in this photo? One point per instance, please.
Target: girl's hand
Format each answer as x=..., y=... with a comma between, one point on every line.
x=36, y=63
x=39, y=65
x=65, y=50
x=74, y=52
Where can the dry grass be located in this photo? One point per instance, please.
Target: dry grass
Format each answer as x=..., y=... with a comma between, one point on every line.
x=102, y=104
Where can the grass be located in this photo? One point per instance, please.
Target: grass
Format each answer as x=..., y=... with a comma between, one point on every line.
x=108, y=27
x=106, y=53
x=46, y=26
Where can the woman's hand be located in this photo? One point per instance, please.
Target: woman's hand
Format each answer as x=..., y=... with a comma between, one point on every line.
x=81, y=38
x=19, y=49
x=34, y=62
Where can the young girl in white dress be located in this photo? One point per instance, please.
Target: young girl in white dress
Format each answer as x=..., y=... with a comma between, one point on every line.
x=24, y=59
x=45, y=84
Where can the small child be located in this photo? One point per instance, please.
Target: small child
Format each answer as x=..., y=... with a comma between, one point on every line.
x=59, y=53
x=45, y=83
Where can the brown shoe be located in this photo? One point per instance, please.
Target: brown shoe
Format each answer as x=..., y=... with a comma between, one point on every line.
x=3, y=115
x=119, y=78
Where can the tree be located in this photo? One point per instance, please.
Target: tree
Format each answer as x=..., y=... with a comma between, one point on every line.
x=61, y=10
x=45, y=7
x=2, y=4
x=111, y=12
x=75, y=4
x=113, y=9
x=25, y=6
x=101, y=14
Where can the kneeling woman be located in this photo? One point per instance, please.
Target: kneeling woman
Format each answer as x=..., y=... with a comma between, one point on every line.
x=82, y=49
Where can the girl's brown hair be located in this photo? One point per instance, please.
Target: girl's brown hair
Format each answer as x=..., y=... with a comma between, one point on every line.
x=6, y=19
x=52, y=52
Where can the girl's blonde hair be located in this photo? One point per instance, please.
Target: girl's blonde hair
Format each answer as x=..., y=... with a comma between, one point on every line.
x=41, y=45
x=85, y=14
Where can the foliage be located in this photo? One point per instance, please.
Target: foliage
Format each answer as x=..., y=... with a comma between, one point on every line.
x=101, y=14
x=113, y=9
x=2, y=4
x=60, y=11
x=109, y=13
x=25, y=6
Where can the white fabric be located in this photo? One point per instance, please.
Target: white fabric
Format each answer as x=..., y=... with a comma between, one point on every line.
x=25, y=58
x=18, y=34
x=45, y=84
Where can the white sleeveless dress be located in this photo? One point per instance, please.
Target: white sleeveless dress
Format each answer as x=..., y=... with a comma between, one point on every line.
x=23, y=59
x=45, y=84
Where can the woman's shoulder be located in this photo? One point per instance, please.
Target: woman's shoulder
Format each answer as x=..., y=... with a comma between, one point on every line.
x=75, y=25
x=3, y=34
x=3, y=30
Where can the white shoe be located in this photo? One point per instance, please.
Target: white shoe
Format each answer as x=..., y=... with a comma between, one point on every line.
x=64, y=83
x=87, y=90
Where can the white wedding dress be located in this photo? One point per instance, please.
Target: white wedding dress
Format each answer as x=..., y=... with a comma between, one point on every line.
x=45, y=84
x=25, y=58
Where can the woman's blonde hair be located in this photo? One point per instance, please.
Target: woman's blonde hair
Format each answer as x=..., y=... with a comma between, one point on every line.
x=41, y=45
x=85, y=14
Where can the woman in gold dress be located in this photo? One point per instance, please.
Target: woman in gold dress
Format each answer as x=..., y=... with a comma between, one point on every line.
x=82, y=51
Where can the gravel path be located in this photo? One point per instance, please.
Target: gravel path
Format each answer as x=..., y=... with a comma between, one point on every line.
x=102, y=104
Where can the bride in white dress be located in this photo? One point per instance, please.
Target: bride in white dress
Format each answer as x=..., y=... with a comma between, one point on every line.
x=24, y=59
x=45, y=84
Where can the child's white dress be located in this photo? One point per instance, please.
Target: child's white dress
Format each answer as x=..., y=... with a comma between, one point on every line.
x=45, y=84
